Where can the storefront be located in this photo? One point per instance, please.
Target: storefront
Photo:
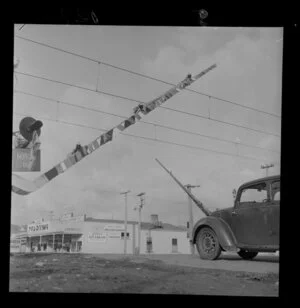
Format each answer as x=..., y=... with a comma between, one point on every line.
x=107, y=236
x=60, y=235
x=88, y=235
x=55, y=242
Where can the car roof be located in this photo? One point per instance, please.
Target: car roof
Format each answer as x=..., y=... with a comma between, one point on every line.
x=267, y=178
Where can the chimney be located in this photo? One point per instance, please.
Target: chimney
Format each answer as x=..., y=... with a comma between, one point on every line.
x=154, y=221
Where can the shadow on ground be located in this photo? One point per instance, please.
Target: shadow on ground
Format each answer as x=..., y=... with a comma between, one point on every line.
x=263, y=258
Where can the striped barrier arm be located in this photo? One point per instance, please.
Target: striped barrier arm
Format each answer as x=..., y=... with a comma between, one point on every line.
x=23, y=186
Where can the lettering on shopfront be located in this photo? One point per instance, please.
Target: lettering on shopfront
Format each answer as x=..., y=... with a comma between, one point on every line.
x=114, y=234
x=97, y=237
x=38, y=227
x=114, y=227
x=15, y=244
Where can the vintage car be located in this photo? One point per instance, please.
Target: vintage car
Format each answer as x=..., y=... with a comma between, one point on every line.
x=249, y=227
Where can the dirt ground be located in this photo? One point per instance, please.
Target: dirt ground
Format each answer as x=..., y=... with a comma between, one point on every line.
x=86, y=273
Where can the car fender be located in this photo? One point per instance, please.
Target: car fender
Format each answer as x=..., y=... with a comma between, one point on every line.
x=223, y=231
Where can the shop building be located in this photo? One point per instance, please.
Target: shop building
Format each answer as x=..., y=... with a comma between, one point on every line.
x=76, y=234
x=57, y=235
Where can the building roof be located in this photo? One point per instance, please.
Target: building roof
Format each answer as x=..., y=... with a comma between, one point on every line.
x=91, y=219
x=144, y=225
x=165, y=226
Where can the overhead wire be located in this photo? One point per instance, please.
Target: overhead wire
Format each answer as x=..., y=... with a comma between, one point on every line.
x=145, y=122
x=164, y=126
x=116, y=192
x=140, y=102
x=131, y=194
x=146, y=76
x=148, y=138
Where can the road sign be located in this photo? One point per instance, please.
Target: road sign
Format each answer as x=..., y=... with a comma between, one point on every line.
x=23, y=161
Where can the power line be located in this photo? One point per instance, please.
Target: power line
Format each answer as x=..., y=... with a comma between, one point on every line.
x=145, y=122
x=220, y=121
x=117, y=193
x=147, y=138
x=22, y=27
x=140, y=102
x=146, y=76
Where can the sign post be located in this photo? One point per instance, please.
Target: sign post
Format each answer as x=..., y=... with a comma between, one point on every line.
x=22, y=160
x=26, y=151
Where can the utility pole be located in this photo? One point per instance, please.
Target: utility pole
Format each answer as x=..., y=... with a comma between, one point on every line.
x=191, y=220
x=51, y=215
x=265, y=166
x=125, y=220
x=139, y=208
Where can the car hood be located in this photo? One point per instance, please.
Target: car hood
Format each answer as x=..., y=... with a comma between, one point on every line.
x=222, y=213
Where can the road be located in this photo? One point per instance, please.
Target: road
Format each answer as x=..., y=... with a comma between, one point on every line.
x=229, y=261
x=156, y=274
x=262, y=264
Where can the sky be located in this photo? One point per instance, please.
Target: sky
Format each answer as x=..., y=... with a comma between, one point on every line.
x=249, y=72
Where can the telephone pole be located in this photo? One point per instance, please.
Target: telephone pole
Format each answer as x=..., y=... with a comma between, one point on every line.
x=265, y=166
x=139, y=208
x=125, y=220
x=191, y=220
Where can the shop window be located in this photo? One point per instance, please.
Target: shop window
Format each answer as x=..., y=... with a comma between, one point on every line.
x=123, y=235
x=149, y=244
x=174, y=245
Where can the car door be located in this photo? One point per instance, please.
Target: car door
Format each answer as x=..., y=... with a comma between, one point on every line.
x=251, y=217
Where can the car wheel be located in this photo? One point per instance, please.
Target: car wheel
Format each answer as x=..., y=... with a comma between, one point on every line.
x=208, y=244
x=247, y=255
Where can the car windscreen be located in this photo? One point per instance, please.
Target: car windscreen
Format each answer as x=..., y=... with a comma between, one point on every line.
x=254, y=193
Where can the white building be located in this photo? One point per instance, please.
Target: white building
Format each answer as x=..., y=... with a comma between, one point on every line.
x=89, y=235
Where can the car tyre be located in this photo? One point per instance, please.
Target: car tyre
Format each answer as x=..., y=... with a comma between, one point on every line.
x=208, y=244
x=247, y=255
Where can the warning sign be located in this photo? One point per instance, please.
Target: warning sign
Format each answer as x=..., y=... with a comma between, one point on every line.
x=24, y=161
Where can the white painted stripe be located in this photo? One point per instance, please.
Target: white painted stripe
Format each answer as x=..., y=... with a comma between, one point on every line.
x=23, y=184
x=63, y=166
x=29, y=186
x=40, y=181
x=116, y=133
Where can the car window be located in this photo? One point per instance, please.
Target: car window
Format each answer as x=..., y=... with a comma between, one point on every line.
x=277, y=196
x=275, y=189
x=255, y=193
